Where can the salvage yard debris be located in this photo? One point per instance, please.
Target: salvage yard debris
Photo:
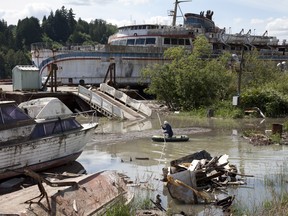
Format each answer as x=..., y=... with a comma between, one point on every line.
x=196, y=178
x=89, y=194
x=277, y=135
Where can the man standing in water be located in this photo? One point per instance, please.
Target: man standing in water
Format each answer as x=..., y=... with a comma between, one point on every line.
x=167, y=129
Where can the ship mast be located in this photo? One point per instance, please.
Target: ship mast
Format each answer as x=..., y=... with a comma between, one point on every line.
x=175, y=11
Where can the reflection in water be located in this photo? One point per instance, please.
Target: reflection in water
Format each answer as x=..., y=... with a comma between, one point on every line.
x=116, y=146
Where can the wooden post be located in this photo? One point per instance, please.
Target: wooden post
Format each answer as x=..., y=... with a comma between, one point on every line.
x=277, y=129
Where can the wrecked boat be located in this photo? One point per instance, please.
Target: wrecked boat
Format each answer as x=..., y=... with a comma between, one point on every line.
x=193, y=178
x=39, y=134
x=85, y=195
x=175, y=138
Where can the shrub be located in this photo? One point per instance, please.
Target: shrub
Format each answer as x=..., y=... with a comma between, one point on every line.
x=269, y=101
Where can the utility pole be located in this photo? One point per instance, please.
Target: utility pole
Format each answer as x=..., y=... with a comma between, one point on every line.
x=240, y=72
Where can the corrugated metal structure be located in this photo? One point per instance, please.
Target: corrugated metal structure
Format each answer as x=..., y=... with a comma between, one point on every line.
x=25, y=77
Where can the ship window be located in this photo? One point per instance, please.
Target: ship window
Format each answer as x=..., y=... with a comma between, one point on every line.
x=140, y=41
x=38, y=131
x=187, y=42
x=130, y=41
x=55, y=127
x=166, y=40
x=71, y=124
x=181, y=41
x=174, y=41
x=12, y=114
x=122, y=42
x=115, y=42
x=150, y=40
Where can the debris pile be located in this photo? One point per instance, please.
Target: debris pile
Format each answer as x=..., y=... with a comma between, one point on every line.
x=260, y=140
x=197, y=177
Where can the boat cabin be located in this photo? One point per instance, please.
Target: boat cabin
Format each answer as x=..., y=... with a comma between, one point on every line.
x=46, y=128
x=14, y=122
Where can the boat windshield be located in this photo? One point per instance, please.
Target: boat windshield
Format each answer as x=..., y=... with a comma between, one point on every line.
x=59, y=126
x=10, y=113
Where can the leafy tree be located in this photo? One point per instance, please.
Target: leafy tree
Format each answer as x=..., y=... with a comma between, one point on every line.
x=79, y=37
x=82, y=26
x=257, y=72
x=13, y=58
x=270, y=101
x=191, y=80
x=81, y=33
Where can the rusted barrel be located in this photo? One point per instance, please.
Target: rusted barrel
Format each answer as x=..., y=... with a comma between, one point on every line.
x=277, y=128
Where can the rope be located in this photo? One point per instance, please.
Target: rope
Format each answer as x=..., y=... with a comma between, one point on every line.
x=164, y=144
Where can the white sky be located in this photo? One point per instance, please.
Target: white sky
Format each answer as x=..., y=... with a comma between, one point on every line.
x=257, y=15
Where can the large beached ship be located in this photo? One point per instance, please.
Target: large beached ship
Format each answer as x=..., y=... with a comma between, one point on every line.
x=134, y=47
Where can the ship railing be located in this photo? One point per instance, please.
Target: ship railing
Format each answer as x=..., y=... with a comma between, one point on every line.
x=100, y=103
x=124, y=98
x=73, y=47
x=89, y=116
x=134, y=49
x=169, y=31
x=100, y=48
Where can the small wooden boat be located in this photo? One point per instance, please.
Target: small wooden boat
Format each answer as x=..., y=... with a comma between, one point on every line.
x=175, y=138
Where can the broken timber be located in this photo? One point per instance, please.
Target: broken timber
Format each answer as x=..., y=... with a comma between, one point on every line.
x=194, y=177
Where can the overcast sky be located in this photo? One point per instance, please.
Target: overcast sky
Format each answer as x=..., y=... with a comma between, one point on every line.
x=257, y=15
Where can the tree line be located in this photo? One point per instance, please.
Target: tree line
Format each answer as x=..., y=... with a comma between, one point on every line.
x=59, y=27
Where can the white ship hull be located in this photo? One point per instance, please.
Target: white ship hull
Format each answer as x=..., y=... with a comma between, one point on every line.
x=91, y=66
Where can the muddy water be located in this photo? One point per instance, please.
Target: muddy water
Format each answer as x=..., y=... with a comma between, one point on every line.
x=123, y=146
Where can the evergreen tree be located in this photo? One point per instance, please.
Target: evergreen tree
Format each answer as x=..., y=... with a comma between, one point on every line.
x=28, y=31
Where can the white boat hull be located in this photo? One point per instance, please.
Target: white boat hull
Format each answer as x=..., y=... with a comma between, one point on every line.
x=43, y=153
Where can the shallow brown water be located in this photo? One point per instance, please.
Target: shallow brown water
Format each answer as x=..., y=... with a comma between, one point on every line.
x=116, y=145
